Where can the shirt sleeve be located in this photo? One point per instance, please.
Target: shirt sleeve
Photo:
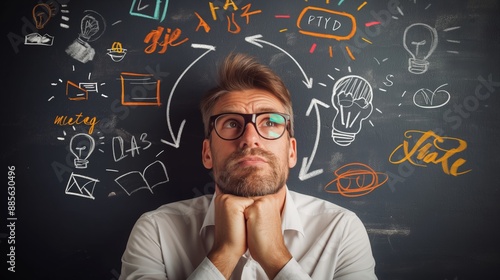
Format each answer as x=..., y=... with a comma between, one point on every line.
x=142, y=258
x=206, y=271
x=355, y=259
x=292, y=271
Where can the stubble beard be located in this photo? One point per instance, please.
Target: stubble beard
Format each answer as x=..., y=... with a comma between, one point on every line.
x=251, y=181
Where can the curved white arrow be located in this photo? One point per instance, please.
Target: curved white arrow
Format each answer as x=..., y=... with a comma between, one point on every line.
x=304, y=173
x=177, y=139
x=255, y=39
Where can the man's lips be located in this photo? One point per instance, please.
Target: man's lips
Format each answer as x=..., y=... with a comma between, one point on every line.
x=251, y=160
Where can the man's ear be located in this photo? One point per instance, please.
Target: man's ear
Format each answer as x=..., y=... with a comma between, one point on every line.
x=206, y=154
x=292, y=154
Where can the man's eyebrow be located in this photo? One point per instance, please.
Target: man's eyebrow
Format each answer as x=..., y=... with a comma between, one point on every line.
x=266, y=109
x=258, y=110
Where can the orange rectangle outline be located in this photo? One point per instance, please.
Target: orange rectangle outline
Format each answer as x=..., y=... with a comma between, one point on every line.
x=128, y=103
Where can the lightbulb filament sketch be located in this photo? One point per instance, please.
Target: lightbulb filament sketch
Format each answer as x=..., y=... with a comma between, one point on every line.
x=352, y=99
x=81, y=146
x=419, y=40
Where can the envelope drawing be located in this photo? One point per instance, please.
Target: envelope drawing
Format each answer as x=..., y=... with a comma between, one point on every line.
x=80, y=185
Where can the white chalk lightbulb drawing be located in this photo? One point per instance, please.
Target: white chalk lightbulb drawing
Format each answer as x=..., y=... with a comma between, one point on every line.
x=352, y=98
x=81, y=146
x=92, y=26
x=89, y=26
x=419, y=40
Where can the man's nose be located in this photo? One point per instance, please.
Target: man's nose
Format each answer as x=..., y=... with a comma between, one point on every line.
x=250, y=137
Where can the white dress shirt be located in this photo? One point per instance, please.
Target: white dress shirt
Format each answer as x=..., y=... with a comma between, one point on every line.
x=325, y=240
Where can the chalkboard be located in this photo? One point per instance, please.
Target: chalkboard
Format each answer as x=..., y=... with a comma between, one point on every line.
x=396, y=119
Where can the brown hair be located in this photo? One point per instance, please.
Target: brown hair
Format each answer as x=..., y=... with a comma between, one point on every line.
x=241, y=72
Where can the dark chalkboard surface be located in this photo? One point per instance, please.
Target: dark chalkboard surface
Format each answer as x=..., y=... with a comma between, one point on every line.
x=396, y=119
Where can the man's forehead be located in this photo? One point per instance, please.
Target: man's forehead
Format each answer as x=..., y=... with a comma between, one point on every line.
x=249, y=101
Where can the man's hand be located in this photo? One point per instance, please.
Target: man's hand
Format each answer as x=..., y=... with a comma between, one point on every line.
x=264, y=235
x=230, y=232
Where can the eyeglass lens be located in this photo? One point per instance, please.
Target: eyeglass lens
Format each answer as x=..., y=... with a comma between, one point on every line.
x=268, y=125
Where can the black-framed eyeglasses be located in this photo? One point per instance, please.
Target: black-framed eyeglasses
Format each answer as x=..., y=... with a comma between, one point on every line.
x=230, y=126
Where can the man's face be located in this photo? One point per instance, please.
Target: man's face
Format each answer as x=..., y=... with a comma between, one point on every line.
x=250, y=165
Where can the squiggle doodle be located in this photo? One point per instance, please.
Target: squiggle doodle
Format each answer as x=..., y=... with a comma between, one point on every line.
x=356, y=179
x=427, y=99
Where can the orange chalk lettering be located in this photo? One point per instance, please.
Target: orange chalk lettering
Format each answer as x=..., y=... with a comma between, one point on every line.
x=170, y=39
x=247, y=14
x=237, y=27
x=431, y=148
x=230, y=3
x=326, y=19
x=212, y=10
x=202, y=23
x=65, y=120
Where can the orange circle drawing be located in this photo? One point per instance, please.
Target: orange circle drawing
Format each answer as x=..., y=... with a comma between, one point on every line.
x=355, y=179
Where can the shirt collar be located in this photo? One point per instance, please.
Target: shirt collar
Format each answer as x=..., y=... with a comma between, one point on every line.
x=290, y=219
x=209, y=220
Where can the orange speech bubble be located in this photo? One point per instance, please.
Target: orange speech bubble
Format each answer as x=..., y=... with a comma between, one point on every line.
x=324, y=23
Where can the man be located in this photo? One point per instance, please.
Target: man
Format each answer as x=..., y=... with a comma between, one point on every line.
x=253, y=227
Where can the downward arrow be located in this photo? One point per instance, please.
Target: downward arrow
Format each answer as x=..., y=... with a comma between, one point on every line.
x=177, y=139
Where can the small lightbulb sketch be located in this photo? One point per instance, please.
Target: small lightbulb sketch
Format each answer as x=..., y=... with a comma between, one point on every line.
x=92, y=27
x=41, y=14
x=419, y=40
x=81, y=146
x=352, y=98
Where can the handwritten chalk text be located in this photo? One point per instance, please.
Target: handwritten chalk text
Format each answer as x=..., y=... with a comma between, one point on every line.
x=431, y=148
x=66, y=120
